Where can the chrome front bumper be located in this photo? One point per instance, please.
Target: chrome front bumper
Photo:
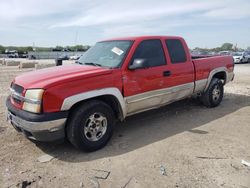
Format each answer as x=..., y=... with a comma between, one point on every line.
x=41, y=131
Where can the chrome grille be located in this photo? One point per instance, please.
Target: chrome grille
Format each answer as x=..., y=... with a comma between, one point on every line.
x=17, y=88
x=16, y=93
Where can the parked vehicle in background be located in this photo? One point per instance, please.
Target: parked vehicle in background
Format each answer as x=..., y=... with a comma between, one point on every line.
x=114, y=79
x=31, y=57
x=241, y=57
x=12, y=53
x=23, y=56
x=74, y=57
x=238, y=57
x=247, y=56
x=198, y=54
x=15, y=55
x=224, y=53
x=63, y=57
x=202, y=53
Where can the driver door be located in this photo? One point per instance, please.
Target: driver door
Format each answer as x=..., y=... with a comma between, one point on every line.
x=142, y=87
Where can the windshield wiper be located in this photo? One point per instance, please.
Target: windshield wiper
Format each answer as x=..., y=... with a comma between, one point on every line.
x=91, y=63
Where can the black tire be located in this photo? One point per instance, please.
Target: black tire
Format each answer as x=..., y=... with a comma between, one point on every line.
x=248, y=61
x=211, y=100
x=79, y=119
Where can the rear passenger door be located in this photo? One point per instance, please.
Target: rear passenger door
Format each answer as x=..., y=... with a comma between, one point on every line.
x=181, y=66
x=181, y=81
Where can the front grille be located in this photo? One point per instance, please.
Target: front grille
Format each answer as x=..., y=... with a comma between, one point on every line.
x=17, y=89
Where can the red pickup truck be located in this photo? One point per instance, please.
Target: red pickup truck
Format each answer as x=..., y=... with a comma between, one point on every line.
x=114, y=79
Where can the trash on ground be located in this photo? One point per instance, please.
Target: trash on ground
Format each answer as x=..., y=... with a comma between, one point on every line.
x=24, y=171
x=203, y=157
x=81, y=185
x=95, y=182
x=163, y=170
x=127, y=182
x=26, y=183
x=123, y=145
x=245, y=163
x=45, y=158
x=235, y=167
x=198, y=131
x=101, y=174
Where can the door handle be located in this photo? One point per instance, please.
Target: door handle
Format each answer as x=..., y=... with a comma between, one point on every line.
x=166, y=73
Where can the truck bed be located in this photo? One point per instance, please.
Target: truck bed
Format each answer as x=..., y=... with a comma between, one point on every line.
x=204, y=65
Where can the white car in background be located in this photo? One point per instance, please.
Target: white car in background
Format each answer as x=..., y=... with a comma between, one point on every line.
x=224, y=53
x=74, y=57
x=241, y=57
x=247, y=56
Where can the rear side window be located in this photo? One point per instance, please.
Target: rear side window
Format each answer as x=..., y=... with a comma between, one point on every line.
x=176, y=51
x=152, y=51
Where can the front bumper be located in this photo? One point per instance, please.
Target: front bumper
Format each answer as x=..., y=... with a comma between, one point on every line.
x=237, y=60
x=40, y=127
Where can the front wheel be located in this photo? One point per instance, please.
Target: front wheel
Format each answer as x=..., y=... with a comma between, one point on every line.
x=90, y=125
x=214, y=94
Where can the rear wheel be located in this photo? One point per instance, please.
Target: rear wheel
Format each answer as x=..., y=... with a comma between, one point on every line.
x=91, y=125
x=214, y=94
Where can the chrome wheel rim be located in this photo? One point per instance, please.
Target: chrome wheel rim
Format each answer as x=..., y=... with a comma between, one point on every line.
x=216, y=93
x=95, y=126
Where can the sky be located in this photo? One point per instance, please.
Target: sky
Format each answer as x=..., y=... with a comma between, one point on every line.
x=203, y=23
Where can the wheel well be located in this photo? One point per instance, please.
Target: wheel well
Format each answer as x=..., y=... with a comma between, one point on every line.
x=221, y=75
x=108, y=99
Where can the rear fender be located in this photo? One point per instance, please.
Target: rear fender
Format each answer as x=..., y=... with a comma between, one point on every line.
x=214, y=72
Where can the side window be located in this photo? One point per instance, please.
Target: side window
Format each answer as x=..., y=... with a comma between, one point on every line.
x=152, y=51
x=176, y=51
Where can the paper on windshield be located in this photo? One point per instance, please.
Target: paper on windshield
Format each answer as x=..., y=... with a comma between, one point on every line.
x=117, y=51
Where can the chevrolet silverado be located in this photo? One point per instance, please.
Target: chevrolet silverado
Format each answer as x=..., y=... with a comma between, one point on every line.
x=114, y=79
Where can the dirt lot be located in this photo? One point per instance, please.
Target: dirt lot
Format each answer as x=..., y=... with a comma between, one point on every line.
x=197, y=147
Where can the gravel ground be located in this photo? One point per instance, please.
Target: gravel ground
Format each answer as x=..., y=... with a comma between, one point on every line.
x=191, y=145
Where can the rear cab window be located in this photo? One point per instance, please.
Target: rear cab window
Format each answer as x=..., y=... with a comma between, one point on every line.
x=152, y=51
x=176, y=51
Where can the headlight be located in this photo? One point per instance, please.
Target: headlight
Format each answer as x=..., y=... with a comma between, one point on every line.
x=32, y=100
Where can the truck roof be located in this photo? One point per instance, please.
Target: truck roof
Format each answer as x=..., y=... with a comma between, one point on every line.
x=143, y=38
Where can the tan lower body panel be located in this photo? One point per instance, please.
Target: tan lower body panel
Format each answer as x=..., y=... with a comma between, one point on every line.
x=157, y=98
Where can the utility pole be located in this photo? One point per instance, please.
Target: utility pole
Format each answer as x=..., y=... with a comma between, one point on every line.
x=76, y=36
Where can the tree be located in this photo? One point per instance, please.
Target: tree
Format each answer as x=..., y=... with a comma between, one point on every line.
x=227, y=46
x=58, y=49
x=43, y=49
x=2, y=50
x=248, y=48
x=29, y=48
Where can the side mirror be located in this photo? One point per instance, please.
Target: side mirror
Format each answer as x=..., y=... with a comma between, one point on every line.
x=139, y=64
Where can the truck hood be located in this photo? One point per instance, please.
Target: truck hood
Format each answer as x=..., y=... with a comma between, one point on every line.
x=49, y=77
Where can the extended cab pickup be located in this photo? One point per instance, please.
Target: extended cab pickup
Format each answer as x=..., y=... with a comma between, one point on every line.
x=114, y=79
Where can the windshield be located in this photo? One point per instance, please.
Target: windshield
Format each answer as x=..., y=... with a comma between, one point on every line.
x=106, y=54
